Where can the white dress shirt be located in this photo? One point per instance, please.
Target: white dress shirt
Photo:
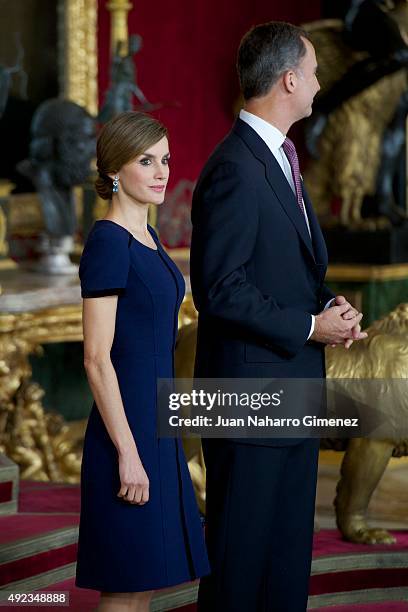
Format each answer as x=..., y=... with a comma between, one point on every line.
x=274, y=139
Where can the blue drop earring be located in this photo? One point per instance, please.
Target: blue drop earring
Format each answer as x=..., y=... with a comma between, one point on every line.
x=115, y=187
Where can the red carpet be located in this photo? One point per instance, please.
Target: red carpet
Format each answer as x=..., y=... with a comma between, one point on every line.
x=33, y=565
x=325, y=544
x=27, y=525
x=82, y=600
x=5, y=491
x=383, y=578
x=340, y=566
x=388, y=606
x=47, y=497
x=42, y=538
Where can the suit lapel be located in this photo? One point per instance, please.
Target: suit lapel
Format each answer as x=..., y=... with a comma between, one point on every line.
x=276, y=180
x=279, y=183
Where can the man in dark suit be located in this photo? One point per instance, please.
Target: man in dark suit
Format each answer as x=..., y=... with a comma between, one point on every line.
x=258, y=261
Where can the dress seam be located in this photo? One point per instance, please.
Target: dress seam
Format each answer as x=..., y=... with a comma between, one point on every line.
x=161, y=485
x=177, y=442
x=151, y=301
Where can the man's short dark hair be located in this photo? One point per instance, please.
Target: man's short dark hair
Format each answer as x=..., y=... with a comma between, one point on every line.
x=265, y=53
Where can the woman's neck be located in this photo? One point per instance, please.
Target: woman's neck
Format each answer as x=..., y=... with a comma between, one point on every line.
x=132, y=216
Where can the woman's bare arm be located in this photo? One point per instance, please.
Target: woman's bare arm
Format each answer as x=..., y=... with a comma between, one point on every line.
x=99, y=315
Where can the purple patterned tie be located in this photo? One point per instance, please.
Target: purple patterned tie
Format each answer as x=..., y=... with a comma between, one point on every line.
x=291, y=154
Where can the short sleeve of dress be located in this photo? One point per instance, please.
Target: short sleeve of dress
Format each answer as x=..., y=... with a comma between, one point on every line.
x=104, y=265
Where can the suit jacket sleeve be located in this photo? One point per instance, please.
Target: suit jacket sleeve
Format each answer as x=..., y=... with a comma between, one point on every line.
x=326, y=295
x=225, y=221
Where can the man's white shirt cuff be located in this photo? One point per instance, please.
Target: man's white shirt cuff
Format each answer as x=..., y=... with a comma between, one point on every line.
x=312, y=326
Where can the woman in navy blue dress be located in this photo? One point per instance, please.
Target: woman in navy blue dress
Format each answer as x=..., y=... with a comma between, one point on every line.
x=139, y=527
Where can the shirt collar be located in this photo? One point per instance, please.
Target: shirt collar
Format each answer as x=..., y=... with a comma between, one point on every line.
x=272, y=137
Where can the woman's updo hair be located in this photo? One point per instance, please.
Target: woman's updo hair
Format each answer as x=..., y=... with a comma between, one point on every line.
x=121, y=140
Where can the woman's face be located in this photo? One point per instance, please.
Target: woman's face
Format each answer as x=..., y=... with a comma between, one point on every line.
x=144, y=179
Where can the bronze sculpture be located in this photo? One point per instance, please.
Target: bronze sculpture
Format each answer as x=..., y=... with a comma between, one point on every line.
x=357, y=181
x=365, y=459
x=370, y=28
x=5, y=77
x=382, y=356
x=123, y=85
x=61, y=149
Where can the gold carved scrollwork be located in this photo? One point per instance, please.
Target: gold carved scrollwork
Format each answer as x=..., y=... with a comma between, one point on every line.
x=41, y=443
x=78, y=50
x=5, y=188
x=187, y=313
x=184, y=369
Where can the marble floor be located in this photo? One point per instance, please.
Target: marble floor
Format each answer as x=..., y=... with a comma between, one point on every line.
x=389, y=504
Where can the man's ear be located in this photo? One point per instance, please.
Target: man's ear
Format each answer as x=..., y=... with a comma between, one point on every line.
x=289, y=81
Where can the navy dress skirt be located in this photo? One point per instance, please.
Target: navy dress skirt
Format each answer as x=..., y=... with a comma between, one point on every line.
x=124, y=547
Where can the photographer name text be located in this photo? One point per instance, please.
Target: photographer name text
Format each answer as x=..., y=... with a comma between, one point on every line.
x=258, y=421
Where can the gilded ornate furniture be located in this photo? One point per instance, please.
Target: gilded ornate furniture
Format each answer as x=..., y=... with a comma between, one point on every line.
x=34, y=310
x=37, y=310
x=374, y=290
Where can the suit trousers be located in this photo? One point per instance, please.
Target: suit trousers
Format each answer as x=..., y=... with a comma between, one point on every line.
x=260, y=517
